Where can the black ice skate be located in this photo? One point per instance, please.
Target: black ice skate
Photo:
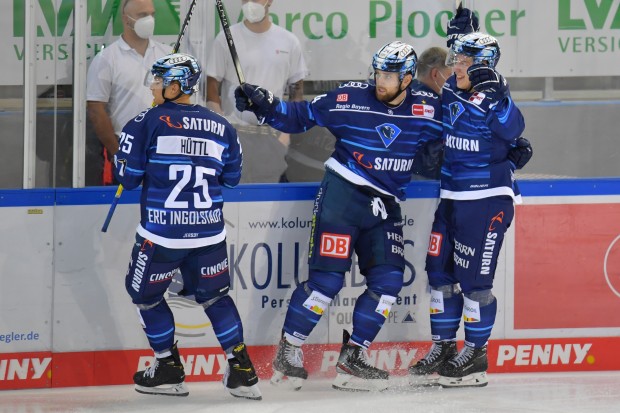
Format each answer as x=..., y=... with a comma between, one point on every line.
x=288, y=366
x=240, y=377
x=467, y=369
x=165, y=376
x=424, y=372
x=355, y=372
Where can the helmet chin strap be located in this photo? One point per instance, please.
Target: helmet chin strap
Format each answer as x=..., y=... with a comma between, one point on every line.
x=397, y=94
x=163, y=94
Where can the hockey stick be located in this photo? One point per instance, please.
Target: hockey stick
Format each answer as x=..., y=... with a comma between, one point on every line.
x=175, y=49
x=188, y=17
x=221, y=11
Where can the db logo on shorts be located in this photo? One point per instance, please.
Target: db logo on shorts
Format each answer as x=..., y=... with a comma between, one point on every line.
x=434, y=245
x=335, y=245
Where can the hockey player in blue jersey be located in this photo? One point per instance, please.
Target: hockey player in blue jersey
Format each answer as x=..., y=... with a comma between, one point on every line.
x=482, y=125
x=378, y=129
x=182, y=154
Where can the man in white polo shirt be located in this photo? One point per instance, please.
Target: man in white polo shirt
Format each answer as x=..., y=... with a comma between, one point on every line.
x=115, y=84
x=270, y=56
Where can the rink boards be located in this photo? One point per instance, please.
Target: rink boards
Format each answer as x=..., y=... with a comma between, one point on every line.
x=66, y=320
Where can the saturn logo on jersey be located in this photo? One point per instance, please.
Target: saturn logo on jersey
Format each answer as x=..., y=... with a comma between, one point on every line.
x=359, y=158
x=138, y=270
x=384, y=164
x=335, y=245
x=168, y=122
x=497, y=218
x=388, y=133
x=146, y=244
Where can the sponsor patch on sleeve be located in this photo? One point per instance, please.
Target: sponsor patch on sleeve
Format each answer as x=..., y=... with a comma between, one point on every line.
x=423, y=110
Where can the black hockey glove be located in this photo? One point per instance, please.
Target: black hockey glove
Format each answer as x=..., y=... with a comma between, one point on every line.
x=463, y=22
x=427, y=161
x=487, y=80
x=521, y=154
x=256, y=99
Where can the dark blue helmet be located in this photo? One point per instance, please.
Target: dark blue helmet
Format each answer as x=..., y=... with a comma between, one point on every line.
x=396, y=57
x=179, y=67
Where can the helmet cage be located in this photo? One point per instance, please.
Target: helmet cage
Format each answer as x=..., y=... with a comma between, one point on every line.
x=178, y=67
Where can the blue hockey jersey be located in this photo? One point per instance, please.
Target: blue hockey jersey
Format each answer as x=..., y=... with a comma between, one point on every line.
x=478, y=132
x=182, y=155
x=375, y=143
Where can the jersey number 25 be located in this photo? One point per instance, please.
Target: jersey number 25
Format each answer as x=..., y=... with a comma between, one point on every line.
x=201, y=181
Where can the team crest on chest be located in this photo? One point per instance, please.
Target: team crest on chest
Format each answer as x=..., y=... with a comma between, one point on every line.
x=456, y=110
x=388, y=133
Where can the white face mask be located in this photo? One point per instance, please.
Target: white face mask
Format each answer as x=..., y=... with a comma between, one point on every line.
x=444, y=81
x=144, y=27
x=253, y=12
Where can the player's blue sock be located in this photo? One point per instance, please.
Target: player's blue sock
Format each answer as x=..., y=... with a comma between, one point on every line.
x=369, y=314
x=446, y=310
x=301, y=318
x=479, y=321
x=226, y=322
x=159, y=326
x=308, y=303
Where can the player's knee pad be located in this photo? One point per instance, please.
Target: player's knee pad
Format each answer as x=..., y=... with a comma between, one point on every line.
x=372, y=303
x=446, y=302
x=318, y=292
x=384, y=280
x=448, y=291
x=316, y=297
x=328, y=283
x=308, y=303
x=484, y=297
x=383, y=283
x=210, y=302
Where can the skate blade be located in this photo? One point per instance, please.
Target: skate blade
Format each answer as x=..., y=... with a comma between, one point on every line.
x=424, y=380
x=347, y=382
x=471, y=380
x=165, y=389
x=282, y=381
x=251, y=392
